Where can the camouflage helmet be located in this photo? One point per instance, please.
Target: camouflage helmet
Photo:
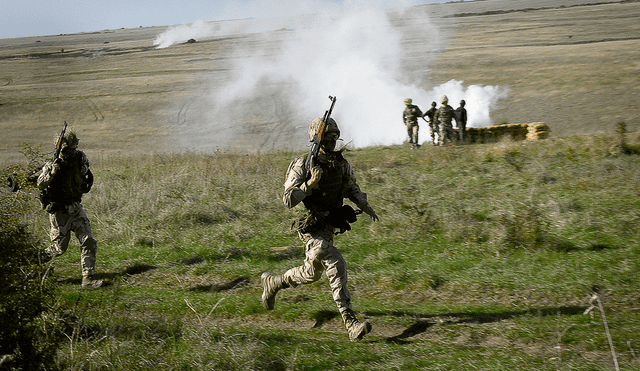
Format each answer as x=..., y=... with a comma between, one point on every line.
x=433, y=104
x=70, y=140
x=408, y=101
x=331, y=126
x=444, y=99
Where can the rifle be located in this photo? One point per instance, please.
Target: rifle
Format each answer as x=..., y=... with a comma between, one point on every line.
x=56, y=154
x=317, y=138
x=45, y=197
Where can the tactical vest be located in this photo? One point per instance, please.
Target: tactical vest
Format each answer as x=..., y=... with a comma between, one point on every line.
x=328, y=196
x=411, y=114
x=66, y=186
x=445, y=115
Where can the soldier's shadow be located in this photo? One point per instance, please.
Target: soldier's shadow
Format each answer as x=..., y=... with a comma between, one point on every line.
x=425, y=321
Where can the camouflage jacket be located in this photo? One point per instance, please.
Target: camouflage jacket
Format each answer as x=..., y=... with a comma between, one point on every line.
x=430, y=113
x=337, y=182
x=444, y=115
x=66, y=185
x=411, y=114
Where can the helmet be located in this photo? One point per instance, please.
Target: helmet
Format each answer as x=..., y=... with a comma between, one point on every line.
x=408, y=101
x=444, y=99
x=70, y=140
x=462, y=102
x=330, y=126
x=433, y=104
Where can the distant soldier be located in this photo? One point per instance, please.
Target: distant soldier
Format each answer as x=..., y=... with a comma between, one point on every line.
x=64, y=181
x=410, y=117
x=332, y=180
x=444, y=116
x=433, y=125
x=461, y=121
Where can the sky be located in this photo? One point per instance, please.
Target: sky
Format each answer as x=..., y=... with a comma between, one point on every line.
x=53, y=17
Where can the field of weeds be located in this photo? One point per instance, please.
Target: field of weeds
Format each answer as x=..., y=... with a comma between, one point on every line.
x=485, y=257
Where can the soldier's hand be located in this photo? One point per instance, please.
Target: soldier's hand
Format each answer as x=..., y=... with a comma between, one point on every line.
x=55, y=167
x=316, y=174
x=369, y=210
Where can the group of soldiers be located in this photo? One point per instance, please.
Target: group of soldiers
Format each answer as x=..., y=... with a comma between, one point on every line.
x=320, y=186
x=440, y=122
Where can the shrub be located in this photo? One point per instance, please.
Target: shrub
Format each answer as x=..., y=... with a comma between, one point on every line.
x=25, y=289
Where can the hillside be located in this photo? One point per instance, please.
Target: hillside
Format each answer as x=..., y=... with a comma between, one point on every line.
x=572, y=66
x=485, y=257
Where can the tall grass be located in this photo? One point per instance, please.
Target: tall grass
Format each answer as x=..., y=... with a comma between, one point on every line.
x=484, y=257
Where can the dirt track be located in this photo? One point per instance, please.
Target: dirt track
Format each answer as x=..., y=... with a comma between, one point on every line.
x=575, y=67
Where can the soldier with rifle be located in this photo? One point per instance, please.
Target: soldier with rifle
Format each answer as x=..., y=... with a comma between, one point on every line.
x=62, y=182
x=321, y=180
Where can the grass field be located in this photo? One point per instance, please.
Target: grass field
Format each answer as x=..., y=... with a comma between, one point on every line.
x=485, y=256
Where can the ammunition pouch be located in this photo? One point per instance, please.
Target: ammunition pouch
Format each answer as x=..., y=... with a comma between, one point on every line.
x=342, y=218
x=87, y=182
x=45, y=198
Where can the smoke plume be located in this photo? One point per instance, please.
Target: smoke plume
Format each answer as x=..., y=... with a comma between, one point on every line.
x=283, y=74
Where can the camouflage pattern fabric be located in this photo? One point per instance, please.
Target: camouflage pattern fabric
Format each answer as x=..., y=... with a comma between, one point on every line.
x=338, y=182
x=433, y=125
x=72, y=218
x=444, y=116
x=410, y=117
x=66, y=214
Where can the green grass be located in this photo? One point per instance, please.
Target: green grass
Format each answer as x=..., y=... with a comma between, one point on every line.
x=485, y=257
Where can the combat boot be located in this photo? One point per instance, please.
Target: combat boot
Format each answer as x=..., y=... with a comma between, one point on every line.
x=88, y=281
x=271, y=283
x=357, y=330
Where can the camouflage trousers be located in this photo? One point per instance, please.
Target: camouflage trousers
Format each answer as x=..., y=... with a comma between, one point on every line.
x=72, y=218
x=322, y=256
x=445, y=135
x=412, y=131
x=434, y=131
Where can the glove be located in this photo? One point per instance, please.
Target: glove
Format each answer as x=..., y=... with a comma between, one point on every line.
x=316, y=174
x=369, y=210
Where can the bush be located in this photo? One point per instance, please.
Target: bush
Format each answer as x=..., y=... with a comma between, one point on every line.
x=25, y=290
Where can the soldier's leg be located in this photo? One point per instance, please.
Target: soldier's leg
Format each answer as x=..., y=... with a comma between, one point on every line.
x=88, y=245
x=60, y=233
x=410, y=134
x=441, y=135
x=416, y=128
x=310, y=271
x=336, y=269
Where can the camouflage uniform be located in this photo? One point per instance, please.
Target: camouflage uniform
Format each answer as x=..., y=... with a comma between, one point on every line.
x=461, y=121
x=337, y=182
x=443, y=116
x=410, y=117
x=66, y=182
x=433, y=125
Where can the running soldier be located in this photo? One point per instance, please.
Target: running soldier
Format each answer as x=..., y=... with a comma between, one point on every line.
x=410, y=117
x=443, y=116
x=64, y=181
x=332, y=180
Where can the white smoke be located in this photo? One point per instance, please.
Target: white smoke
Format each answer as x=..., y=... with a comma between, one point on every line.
x=354, y=51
